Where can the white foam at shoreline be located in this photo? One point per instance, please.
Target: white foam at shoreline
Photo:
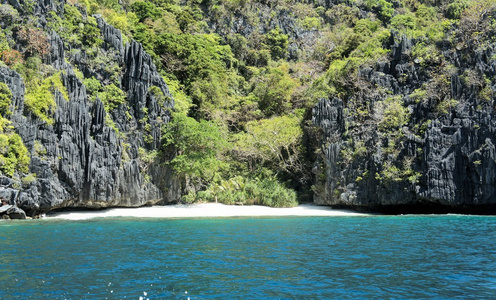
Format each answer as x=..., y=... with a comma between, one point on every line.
x=206, y=210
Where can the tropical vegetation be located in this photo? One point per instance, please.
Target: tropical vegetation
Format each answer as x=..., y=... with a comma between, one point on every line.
x=244, y=85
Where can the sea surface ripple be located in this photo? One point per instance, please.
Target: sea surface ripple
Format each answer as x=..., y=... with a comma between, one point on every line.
x=373, y=257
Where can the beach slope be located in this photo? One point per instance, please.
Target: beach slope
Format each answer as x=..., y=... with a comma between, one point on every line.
x=204, y=210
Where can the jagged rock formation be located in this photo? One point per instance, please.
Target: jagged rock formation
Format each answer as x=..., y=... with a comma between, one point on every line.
x=8, y=212
x=301, y=40
x=442, y=160
x=87, y=158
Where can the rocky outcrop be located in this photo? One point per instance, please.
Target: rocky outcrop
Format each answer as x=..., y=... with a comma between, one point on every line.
x=141, y=75
x=442, y=160
x=11, y=212
x=16, y=86
x=112, y=37
x=90, y=157
x=8, y=210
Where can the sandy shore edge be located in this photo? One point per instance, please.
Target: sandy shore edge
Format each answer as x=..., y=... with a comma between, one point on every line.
x=204, y=210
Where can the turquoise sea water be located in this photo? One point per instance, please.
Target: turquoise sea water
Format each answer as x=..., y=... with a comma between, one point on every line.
x=373, y=257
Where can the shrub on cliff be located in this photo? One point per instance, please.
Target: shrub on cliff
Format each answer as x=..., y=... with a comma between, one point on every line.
x=75, y=29
x=40, y=97
x=111, y=96
x=13, y=155
x=394, y=114
x=5, y=99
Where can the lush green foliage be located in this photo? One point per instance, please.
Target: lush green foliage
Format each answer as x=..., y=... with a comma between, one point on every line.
x=394, y=114
x=242, y=100
x=76, y=29
x=273, y=90
x=145, y=10
x=40, y=97
x=5, y=99
x=14, y=156
x=278, y=43
x=112, y=96
x=242, y=190
x=273, y=142
x=202, y=64
x=93, y=87
x=198, y=147
x=5, y=106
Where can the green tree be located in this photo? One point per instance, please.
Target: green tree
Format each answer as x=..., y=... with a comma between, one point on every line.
x=198, y=147
x=404, y=22
x=274, y=142
x=277, y=43
x=202, y=64
x=456, y=8
x=91, y=35
x=74, y=28
x=93, y=87
x=383, y=8
x=274, y=88
x=145, y=10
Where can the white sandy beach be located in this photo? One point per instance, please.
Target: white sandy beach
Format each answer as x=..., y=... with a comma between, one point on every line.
x=207, y=210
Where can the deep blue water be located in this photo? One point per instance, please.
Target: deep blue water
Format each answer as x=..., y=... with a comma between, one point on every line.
x=374, y=257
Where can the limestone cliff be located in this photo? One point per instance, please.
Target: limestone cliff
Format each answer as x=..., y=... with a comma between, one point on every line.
x=441, y=159
x=90, y=156
x=404, y=120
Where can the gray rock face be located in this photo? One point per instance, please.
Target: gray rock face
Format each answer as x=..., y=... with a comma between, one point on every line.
x=16, y=86
x=83, y=159
x=112, y=36
x=440, y=161
x=11, y=212
x=140, y=75
x=301, y=40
